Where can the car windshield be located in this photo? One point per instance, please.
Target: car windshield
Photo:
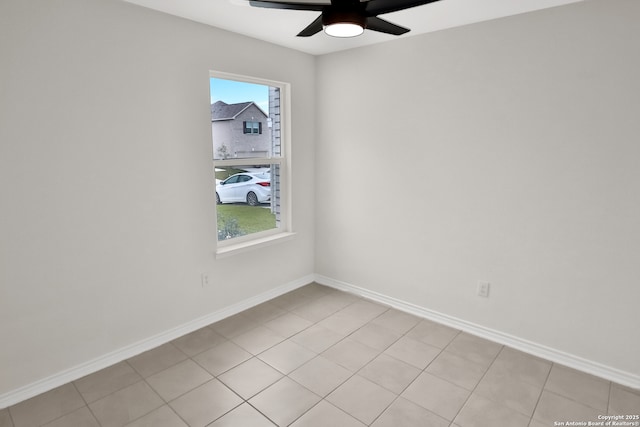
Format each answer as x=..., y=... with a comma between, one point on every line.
x=262, y=176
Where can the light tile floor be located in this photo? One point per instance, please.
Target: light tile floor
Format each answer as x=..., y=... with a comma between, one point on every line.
x=318, y=357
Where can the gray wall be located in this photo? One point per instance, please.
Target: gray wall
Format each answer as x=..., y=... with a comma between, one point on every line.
x=508, y=153
x=106, y=183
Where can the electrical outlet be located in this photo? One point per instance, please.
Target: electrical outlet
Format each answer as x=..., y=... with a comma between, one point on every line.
x=204, y=279
x=483, y=289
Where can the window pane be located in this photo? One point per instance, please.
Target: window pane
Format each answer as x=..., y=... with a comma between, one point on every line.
x=239, y=113
x=246, y=201
x=247, y=151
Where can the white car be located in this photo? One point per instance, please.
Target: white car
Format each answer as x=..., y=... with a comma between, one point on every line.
x=250, y=188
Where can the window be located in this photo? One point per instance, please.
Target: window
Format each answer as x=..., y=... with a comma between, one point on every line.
x=253, y=127
x=249, y=140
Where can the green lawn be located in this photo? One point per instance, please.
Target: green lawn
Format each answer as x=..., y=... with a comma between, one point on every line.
x=249, y=219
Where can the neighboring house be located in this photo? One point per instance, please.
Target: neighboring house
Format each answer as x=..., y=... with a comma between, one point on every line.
x=239, y=131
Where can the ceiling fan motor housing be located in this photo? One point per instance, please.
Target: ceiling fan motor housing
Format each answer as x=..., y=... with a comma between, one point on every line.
x=343, y=15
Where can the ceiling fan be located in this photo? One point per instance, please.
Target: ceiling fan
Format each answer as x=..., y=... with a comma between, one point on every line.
x=347, y=18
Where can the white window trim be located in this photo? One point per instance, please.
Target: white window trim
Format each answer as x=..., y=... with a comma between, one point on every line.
x=236, y=248
x=284, y=232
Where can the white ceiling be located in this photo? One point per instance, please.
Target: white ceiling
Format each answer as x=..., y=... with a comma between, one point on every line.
x=281, y=26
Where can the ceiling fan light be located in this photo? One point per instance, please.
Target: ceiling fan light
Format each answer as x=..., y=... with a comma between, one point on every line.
x=343, y=29
x=343, y=23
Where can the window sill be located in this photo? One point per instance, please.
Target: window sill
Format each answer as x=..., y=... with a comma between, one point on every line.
x=230, y=250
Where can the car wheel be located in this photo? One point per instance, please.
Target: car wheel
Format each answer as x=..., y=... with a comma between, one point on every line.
x=218, y=202
x=252, y=199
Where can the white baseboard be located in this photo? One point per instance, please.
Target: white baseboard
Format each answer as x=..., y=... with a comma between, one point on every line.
x=594, y=368
x=77, y=372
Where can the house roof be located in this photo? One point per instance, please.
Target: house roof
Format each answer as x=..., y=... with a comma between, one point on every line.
x=222, y=111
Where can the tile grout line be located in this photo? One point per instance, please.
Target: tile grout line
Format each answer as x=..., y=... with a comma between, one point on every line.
x=535, y=408
x=422, y=371
x=166, y=403
x=477, y=384
x=323, y=398
x=255, y=356
x=362, y=367
x=571, y=398
x=609, y=398
x=86, y=404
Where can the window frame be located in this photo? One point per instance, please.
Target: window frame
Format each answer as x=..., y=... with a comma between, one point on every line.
x=249, y=130
x=284, y=231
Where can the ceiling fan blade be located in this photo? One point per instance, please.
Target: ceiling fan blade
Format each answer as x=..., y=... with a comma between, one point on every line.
x=380, y=7
x=376, y=24
x=317, y=7
x=313, y=28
